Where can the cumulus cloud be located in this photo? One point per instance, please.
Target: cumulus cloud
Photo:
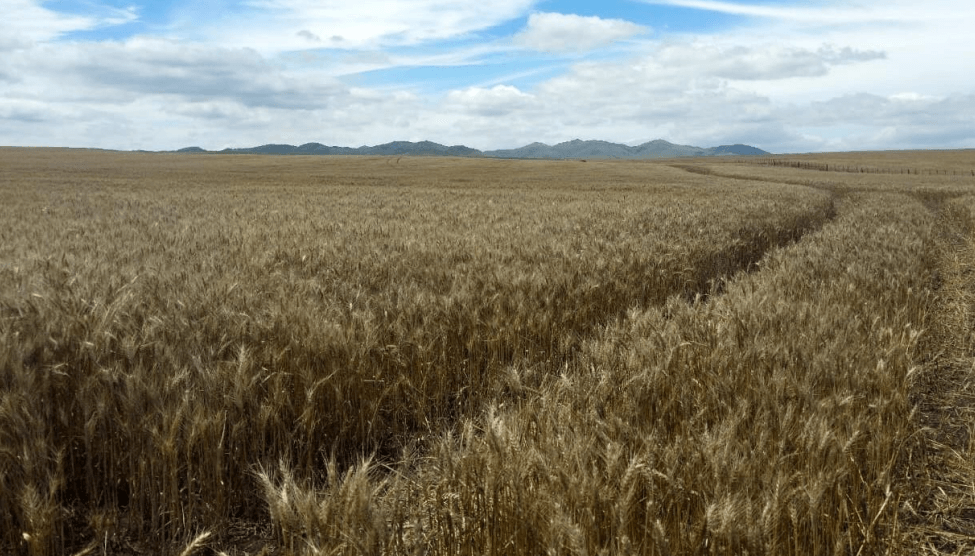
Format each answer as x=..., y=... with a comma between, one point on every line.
x=644, y=91
x=555, y=32
x=138, y=67
x=498, y=101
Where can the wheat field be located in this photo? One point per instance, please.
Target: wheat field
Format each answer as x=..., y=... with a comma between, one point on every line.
x=369, y=355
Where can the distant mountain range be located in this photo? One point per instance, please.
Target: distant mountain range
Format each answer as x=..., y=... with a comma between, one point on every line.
x=568, y=149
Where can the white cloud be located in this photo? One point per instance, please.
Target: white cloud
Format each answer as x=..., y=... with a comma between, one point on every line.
x=283, y=25
x=761, y=62
x=920, y=52
x=23, y=110
x=498, y=101
x=643, y=92
x=820, y=14
x=904, y=109
x=883, y=74
x=790, y=83
x=112, y=72
x=555, y=32
x=162, y=94
x=26, y=22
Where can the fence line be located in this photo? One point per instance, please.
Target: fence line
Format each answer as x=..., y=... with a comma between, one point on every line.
x=832, y=167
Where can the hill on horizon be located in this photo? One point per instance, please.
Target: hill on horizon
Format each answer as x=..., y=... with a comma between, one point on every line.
x=576, y=148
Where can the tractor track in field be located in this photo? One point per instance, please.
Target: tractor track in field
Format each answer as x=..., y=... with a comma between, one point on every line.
x=829, y=186
x=940, y=519
x=943, y=520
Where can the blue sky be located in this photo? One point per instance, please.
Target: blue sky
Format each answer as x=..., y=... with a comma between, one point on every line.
x=787, y=76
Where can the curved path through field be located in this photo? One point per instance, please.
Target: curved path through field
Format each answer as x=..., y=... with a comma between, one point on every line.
x=939, y=515
x=943, y=521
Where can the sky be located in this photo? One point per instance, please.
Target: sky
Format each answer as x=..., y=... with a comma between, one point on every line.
x=785, y=76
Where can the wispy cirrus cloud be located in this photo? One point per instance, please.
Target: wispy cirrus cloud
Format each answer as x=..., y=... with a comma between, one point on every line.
x=762, y=62
x=282, y=25
x=27, y=22
x=820, y=14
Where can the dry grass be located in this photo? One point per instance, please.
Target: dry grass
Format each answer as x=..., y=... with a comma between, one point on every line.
x=371, y=355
